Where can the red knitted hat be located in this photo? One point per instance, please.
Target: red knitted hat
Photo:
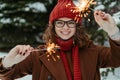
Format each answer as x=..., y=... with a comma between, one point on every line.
x=63, y=9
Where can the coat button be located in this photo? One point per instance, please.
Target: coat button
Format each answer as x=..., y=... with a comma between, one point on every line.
x=49, y=77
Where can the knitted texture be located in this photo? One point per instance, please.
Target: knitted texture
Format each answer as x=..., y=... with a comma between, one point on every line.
x=65, y=46
x=63, y=9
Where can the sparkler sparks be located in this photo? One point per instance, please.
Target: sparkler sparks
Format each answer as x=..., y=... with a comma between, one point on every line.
x=50, y=50
x=83, y=8
x=84, y=5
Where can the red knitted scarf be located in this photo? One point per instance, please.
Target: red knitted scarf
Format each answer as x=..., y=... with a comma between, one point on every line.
x=65, y=46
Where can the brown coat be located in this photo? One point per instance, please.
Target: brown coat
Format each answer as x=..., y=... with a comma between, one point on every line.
x=91, y=60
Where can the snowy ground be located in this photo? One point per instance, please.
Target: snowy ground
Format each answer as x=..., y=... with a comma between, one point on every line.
x=111, y=75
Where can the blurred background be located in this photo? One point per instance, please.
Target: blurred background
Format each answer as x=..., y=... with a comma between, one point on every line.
x=24, y=21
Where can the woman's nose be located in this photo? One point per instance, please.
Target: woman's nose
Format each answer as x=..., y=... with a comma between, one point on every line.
x=65, y=26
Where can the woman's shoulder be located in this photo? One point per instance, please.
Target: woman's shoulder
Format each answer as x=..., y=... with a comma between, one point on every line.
x=94, y=45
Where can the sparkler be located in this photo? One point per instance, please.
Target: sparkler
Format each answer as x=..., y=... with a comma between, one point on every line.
x=50, y=50
x=83, y=8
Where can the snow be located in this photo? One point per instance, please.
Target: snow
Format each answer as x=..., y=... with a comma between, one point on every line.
x=37, y=7
x=100, y=7
x=2, y=5
x=116, y=17
x=112, y=4
x=115, y=75
x=5, y=20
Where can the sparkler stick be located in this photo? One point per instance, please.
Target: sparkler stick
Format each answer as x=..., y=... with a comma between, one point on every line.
x=39, y=50
x=44, y=49
x=91, y=9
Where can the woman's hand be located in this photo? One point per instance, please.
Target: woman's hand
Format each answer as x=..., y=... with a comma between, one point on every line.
x=106, y=22
x=16, y=55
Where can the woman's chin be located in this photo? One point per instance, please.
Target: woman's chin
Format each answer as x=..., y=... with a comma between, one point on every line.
x=65, y=38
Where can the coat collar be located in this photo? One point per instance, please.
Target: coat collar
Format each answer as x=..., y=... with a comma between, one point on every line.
x=56, y=68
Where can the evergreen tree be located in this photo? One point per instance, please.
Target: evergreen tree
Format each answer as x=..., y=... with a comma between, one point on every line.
x=21, y=23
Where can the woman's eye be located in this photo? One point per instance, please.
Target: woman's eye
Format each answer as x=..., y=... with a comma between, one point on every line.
x=71, y=22
x=59, y=22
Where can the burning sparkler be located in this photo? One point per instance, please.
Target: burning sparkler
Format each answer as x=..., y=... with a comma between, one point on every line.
x=83, y=8
x=50, y=50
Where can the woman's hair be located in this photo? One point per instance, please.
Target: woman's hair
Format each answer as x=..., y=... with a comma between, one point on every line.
x=80, y=37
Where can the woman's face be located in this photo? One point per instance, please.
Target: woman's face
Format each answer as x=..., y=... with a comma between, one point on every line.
x=65, y=28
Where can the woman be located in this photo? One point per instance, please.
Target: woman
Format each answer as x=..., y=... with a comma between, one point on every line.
x=79, y=59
